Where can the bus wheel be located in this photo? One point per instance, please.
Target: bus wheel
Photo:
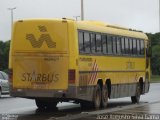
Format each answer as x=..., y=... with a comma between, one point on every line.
x=46, y=104
x=40, y=104
x=85, y=105
x=51, y=105
x=97, y=97
x=136, y=98
x=104, y=100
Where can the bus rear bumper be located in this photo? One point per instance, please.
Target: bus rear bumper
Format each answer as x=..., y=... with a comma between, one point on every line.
x=30, y=93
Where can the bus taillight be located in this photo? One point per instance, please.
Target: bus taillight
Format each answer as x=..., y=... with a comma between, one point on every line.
x=71, y=76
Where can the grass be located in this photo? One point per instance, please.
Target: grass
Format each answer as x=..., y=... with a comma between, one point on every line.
x=155, y=78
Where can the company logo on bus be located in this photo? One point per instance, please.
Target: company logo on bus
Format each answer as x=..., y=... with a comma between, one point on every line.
x=44, y=37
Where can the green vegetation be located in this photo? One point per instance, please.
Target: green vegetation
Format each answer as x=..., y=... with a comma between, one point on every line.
x=155, y=59
x=4, y=55
x=155, y=78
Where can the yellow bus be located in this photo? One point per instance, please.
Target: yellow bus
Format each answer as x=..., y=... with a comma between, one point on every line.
x=88, y=62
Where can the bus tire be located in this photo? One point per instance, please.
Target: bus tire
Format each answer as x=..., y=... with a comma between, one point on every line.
x=136, y=98
x=51, y=105
x=104, y=100
x=85, y=105
x=97, y=97
x=46, y=104
x=40, y=104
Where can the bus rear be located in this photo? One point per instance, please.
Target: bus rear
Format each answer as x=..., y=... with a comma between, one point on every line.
x=39, y=59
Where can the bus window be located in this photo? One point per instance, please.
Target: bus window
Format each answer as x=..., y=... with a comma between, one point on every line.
x=134, y=47
x=81, y=42
x=142, y=47
x=118, y=45
x=126, y=46
x=138, y=47
x=130, y=46
x=104, y=44
x=93, y=43
x=87, y=42
x=123, y=45
x=98, y=43
x=114, y=45
x=109, y=45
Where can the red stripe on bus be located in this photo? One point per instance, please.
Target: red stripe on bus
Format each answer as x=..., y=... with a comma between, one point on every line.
x=91, y=77
x=95, y=74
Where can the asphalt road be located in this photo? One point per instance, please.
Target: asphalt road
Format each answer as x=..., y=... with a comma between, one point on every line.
x=24, y=109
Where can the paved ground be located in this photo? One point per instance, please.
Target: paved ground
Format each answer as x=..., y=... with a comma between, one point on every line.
x=25, y=109
x=143, y=111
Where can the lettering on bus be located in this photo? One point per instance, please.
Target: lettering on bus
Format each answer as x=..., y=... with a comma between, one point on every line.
x=89, y=60
x=86, y=59
x=52, y=58
x=39, y=77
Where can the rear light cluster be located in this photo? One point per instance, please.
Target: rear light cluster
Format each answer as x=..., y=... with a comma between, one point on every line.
x=71, y=76
x=10, y=74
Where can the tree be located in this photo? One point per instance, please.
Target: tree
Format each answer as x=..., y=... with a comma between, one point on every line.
x=155, y=59
x=4, y=55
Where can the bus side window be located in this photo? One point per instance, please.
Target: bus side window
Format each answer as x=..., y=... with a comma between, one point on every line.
x=138, y=47
x=98, y=43
x=104, y=44
x=126, y=46
x=131, y=46
x=87, y=42
x=118, y=45
x=142, y=47
x=93, y=43
x=123, y=45
x=114, y=41
x=81, y=42
x=109, y=45
x=134, y=47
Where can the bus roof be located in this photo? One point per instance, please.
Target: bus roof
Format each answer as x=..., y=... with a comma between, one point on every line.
x=102, y=27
